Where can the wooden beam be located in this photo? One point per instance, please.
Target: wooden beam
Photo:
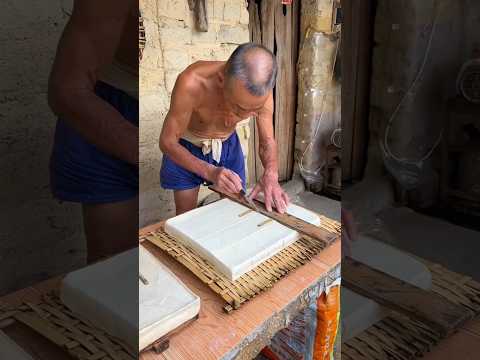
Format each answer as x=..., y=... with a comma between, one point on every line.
x=254, y=170
x=286, y=89
x=364, y=26
x=285, y=219
x=356, y=60
x=429, y=308
x=201, y=16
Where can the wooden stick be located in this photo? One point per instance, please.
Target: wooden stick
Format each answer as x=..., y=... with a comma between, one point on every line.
x=288, y=220
x=431, y=309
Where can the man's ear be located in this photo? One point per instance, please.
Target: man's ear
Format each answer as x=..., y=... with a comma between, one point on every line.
x=221, y=78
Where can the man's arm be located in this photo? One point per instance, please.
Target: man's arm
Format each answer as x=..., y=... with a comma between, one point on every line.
x=274, y=194
x=89, y=42
x=185, y=95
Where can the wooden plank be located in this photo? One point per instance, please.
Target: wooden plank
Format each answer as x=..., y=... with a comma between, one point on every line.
x=348, y=79
x=461, y=345
x=285, y=90
x=201, y=17
x=285, y=219
x=429, y=308
x=267, y=30
x=267, y=19
x=253, y=158
x=363, y=27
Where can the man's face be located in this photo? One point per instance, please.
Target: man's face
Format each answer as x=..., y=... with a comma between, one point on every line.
x=240, y=101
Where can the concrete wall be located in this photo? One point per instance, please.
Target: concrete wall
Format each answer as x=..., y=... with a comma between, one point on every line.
x=39, y=237
x=173, y=44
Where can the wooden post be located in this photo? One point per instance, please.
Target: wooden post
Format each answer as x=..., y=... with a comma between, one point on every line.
x=356, y=60
x=275, y=26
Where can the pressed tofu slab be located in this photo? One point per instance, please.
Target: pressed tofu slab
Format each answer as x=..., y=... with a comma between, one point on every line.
x=233, y=240
x=165, y=302
x=106, y=295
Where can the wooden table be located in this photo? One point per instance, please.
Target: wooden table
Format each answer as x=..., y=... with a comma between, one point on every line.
x=464, y=344
x=215, y=335
x=244, y=332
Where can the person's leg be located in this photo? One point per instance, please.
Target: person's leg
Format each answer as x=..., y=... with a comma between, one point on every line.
x=185, y=200
x=110, y=228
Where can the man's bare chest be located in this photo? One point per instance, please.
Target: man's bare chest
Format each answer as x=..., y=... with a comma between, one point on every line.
x=214, y=120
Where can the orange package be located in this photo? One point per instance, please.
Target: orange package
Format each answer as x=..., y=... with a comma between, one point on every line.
x=328, y=314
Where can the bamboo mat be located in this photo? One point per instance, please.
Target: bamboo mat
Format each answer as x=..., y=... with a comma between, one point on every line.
x=260, y=279
x=402, y=338
x=82, y=340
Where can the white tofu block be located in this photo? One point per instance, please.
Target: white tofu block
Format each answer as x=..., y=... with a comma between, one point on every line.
x=165, y=302
x=106, y=295
x=235, y=244
x=9, y=349
x=359, y=312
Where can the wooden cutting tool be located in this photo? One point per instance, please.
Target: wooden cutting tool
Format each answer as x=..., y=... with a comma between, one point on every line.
x=288, y=220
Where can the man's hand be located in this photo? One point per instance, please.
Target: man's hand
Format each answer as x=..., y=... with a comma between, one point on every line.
x=226, y=180
x=274, y=194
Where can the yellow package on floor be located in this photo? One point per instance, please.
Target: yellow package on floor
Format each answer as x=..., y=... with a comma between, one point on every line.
x=328, y=314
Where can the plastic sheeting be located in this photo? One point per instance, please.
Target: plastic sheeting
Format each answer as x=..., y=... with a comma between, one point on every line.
x=319, y=100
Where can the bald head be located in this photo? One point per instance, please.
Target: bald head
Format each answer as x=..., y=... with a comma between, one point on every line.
x=255, y=66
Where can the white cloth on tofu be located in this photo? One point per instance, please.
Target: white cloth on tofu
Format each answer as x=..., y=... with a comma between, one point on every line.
x=9, y=349
x=359, y=312
x=106, y=294
x=232, y=241
x=165, y=302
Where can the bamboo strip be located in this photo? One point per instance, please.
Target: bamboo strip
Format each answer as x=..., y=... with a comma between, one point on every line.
x=402, y=338
x=255, y=281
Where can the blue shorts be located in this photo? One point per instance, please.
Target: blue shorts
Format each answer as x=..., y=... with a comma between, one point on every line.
x=80, y=172
x=174, y=177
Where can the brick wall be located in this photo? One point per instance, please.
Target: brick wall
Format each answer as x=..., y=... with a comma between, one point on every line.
x=173, y=44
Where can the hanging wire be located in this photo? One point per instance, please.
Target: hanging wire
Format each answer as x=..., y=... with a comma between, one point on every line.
x=385, y=147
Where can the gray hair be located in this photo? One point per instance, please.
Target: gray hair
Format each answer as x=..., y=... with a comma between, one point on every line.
x=255, y=66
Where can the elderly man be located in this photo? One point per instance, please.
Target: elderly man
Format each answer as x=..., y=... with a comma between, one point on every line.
x=198, y=138
x=93, y=89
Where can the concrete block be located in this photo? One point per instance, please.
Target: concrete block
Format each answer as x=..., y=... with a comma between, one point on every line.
x=238, y=34
x=151, y=81
x=153, y=106
x=176, y=59
x=209, y=37
x=203, y=53
x=244, y=16
x=151, y=33
x=231, y=11
x=174, y=32
x=226, y=50
x=171, y=78
x=148, y=8
x=218, y=7
x=175, y=9
x=152, y=60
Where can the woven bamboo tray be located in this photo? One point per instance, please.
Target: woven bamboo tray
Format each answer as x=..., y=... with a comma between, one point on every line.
x=82, y=340
x=260, y=279
x=402, y=338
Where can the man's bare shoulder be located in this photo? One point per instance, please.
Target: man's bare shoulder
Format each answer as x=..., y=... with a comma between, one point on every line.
x=195, y=78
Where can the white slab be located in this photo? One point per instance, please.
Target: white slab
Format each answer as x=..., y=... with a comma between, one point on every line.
x=9, y=349
x=106, y=294
x=234, y=244
x=359, y=312
x=165, y=302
